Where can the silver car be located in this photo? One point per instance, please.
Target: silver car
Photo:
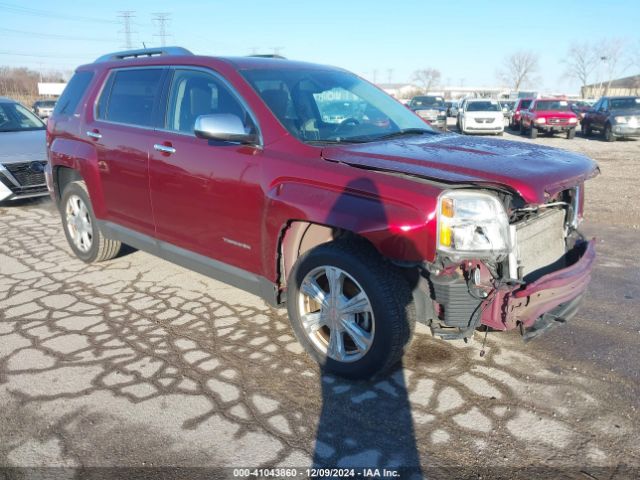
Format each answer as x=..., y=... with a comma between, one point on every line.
x=44, y=108
x=23, y=155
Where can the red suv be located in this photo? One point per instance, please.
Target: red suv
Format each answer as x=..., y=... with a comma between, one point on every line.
x=362, y=222
x=548, y=115
x=521, y=104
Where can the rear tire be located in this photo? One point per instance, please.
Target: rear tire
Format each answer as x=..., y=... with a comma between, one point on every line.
x=81, y=227
x=370, y=339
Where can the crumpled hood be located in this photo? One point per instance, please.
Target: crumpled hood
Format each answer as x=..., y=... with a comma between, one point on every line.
x=534, y=171
x=26, y=146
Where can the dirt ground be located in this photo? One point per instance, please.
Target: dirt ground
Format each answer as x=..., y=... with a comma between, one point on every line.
x=139, y=363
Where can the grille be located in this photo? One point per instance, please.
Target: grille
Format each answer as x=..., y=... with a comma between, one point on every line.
x=556, y=121
x=428, y=113
x=485, y=120
x=25, y=174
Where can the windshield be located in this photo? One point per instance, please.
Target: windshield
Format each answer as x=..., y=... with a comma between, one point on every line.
x=15, y=118
x=524, y=104
x=625, y=103
x=427, y=102
x=488, y=106
x=555, y=105
x=332, y=105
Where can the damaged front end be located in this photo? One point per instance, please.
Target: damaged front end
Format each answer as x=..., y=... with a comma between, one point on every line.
x=506, y=265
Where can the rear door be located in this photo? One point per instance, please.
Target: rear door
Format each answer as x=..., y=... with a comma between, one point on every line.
x=125, y=117
x=206, y=195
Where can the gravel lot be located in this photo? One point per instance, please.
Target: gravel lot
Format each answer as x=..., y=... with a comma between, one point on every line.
x=140, y=363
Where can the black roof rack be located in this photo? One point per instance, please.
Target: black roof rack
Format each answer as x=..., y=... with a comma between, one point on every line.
x=143, y=52
x=268, y=55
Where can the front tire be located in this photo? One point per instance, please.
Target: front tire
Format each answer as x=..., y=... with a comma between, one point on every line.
x=351, y=310
x=586, y=130
x=608, y=134
x=81, y=227
x=571, y=133
x=533, y=132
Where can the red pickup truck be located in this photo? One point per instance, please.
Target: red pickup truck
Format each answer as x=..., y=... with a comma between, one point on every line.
x=361, y=222
x=548, y=115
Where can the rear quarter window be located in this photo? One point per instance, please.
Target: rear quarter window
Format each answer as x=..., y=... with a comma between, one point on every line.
x=73, y=93
x=130, y=96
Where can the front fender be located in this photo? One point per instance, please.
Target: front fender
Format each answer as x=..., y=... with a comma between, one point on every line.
x=398, y=230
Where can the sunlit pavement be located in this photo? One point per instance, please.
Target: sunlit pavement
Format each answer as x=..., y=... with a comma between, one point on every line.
x=137, y=362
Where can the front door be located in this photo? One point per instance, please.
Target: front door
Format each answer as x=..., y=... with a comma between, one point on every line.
x=206, y=195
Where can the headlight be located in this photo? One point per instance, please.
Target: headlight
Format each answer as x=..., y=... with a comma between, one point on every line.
x=472, y=224
x=621, y=119
x=573, y=120
x=540, y=120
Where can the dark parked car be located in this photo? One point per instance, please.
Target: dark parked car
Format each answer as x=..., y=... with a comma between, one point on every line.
x=361, y=228
x=23, y=154
x=614, y=117
x=580, y=107
x=431, y=108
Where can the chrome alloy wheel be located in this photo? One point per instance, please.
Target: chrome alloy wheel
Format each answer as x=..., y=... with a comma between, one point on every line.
x=336, y=314
x=79, y=223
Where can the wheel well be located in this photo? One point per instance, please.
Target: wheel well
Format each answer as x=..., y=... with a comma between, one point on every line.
x=62, y=176
x=299, y=237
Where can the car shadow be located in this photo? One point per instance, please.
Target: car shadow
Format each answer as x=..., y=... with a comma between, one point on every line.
x=374, y=427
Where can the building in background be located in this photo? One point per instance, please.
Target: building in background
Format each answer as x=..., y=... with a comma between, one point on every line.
x=47, y=89
x=620, y=87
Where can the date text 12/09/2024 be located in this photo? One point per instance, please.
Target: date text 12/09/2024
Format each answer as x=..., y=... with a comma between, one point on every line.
x=315, y=473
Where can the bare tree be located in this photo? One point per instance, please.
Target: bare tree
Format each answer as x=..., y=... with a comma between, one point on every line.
x=426, y=78
x=612, y=54
x=582, y=60
x=518, y=68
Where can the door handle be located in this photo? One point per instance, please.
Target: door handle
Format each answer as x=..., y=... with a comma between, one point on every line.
x=94, y=134
x=164, y=148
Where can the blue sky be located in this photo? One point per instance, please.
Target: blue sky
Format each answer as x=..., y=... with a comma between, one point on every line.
x=466, y=40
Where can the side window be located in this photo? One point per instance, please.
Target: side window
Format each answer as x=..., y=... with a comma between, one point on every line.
x=194, y=93
x=132, y=95
x=73, y=93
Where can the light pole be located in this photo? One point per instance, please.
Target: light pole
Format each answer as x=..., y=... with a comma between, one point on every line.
x=603, y=59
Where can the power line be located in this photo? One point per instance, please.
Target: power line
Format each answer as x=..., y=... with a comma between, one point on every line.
x=162, y=20
x=53, y=36
x=126, y=16
x=33, y=12
x=40, y=55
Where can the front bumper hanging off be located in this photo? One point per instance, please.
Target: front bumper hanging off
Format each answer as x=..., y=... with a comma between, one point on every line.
x=553, y=298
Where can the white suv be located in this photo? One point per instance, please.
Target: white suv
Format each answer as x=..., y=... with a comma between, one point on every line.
x=481, y=115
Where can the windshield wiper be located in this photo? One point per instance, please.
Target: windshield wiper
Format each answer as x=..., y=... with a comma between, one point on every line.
x=333, y=142
x=406, y=131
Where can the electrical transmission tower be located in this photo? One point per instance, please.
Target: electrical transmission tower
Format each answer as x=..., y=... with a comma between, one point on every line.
x=162, y=21
x=126, y=16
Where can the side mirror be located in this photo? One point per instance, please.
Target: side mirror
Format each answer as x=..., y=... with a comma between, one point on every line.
x=224, y=127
